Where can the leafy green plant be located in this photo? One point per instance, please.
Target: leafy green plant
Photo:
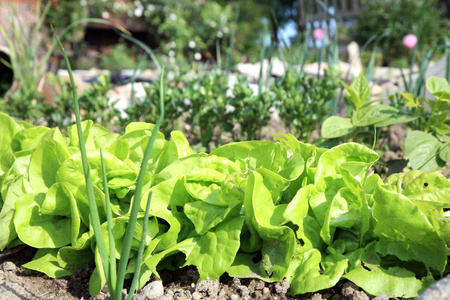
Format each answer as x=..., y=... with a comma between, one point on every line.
x=95, y=104
x=325, y=218
x=427, y=144
x=251, y=111
x=363, y=114
x=119, y=58
x=305, y=102
x=24, y=42
x=429, y=123
x=207, y=105
x=114, y=278
x=147, y=109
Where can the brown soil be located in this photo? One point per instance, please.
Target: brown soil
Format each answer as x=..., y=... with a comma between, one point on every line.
x=18, y=283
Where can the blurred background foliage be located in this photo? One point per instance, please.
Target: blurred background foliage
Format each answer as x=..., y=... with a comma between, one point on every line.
x=186, y=30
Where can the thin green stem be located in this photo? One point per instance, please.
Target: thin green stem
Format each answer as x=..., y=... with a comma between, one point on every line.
x=128, y=238
x=112, y=247
x=141, y=249
x=437, y=153
x=93, y=211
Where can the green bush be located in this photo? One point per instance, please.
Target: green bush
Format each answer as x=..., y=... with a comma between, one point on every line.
x=397, y=18
x=118, y=59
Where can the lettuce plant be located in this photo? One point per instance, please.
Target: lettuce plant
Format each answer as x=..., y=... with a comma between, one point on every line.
x=258, y=209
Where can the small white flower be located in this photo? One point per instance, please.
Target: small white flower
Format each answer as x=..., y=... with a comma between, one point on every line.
x=197, y=56
x=225, y=29
x=105, y=15
x=171, y=53
x=192, y=44
x=220, y=34
x=151, y=7
x=172, y=44
x=212, y=24
x=138, y=11
x=173, y=17
x=83, y=3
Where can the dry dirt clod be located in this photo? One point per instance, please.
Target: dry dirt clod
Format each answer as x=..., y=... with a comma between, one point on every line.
x=317, y=296
x=153, y=290
x=282, y=287
x=8, y=266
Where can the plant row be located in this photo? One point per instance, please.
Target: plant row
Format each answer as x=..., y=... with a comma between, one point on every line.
x=259, y=209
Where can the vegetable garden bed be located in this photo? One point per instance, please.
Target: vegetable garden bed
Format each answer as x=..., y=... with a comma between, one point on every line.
x=257, y=209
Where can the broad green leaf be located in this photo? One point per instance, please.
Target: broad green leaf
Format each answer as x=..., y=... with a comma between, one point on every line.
x=395, y=119
x=437, y=84
x=15, y=189
x=308, y=275
x=347, y=211
x=355, y=158
x=45, y=162
x=119, y=174
x=120, y=149
x=137, y=141
x=445, y=152
x=177, y=148
x=361, y=87
x=404, y=231
x=135, y=126
x=57, y=263
x=419, y=185
x=354, y=96
x=95, y=136
x=410, y=98
x=335, y=126
x=375, y=114
x=9, y=128
x=265, y=220
x=420, y=147
x=184, y=165
x=214, y=252
x=37, y=229
x=395, y=281
x=256, y=154
x=29, y=138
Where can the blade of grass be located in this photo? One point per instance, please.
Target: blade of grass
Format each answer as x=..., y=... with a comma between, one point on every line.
x=93, y=211
x=447, y=54
x=128, y=238
x=112, y=247
x=141, y=249
x=232, y=41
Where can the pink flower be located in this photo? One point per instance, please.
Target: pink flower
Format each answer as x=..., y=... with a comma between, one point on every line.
x=410, y=41
x=318, y=34
x=244, y=59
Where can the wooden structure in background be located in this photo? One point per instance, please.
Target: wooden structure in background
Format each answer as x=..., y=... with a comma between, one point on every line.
x=310, y=10
x=23, y=8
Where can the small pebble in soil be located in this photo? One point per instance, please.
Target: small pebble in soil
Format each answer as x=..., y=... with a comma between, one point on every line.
x=8, y=266
x=282, y=287
x=317, y=296
x=153, y=290
x=382, y=296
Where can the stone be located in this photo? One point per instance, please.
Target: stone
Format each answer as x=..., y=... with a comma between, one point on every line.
x=360, y=295
x=196, y=296
x=282, y=287
x=153, y=290
x=244, y=291
x=211, y=287
x=354, y=59
x=8, y=266
x=437, y=291
x=382, y=296
x=317, y=296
